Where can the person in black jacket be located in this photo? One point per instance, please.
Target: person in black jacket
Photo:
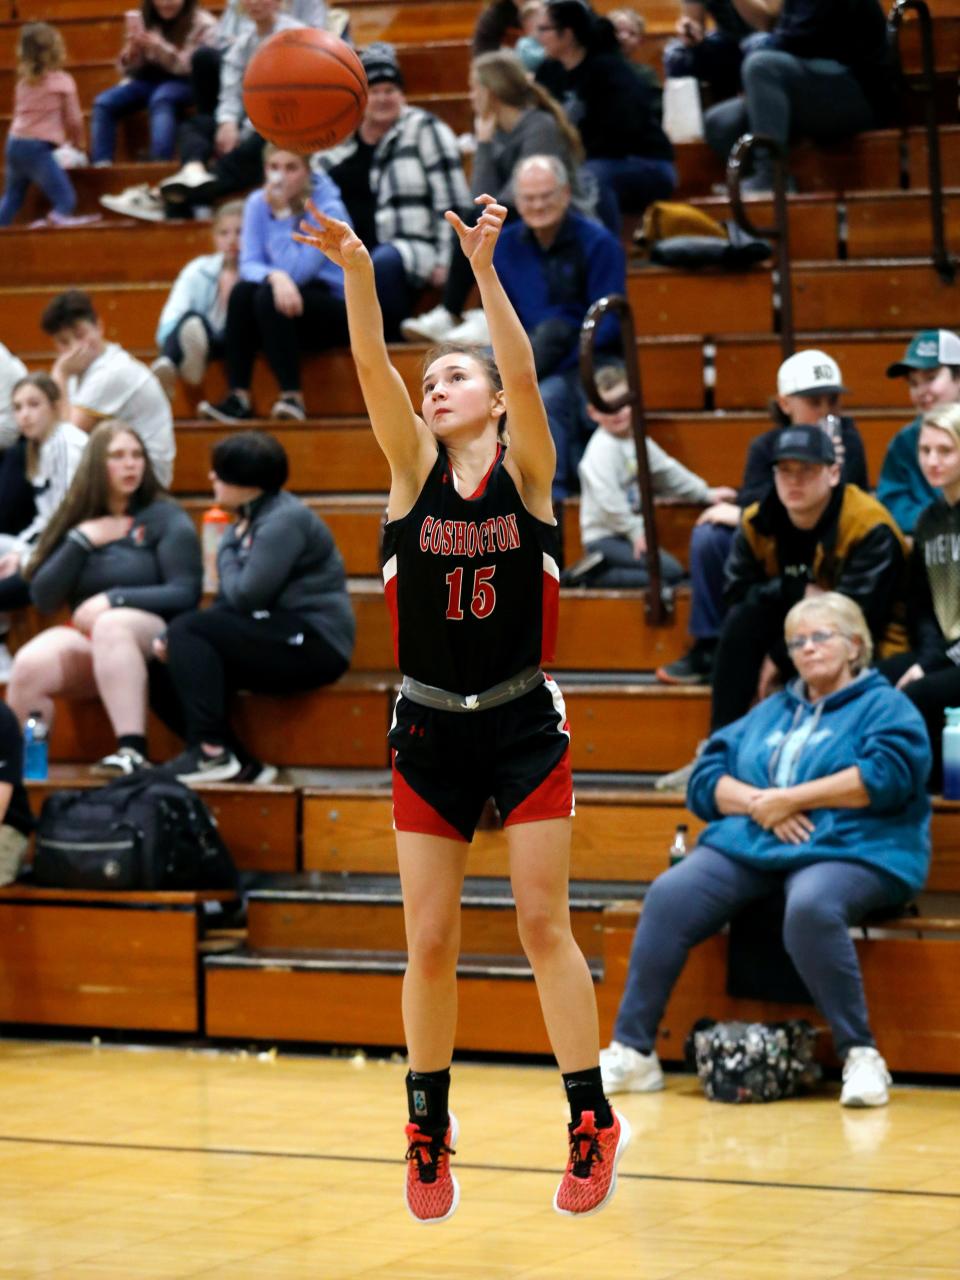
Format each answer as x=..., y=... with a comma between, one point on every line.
x=125, y=559
x=824, y=74
x=930, y=673
x=282, y=621
x=809, y=385
x=627, y=150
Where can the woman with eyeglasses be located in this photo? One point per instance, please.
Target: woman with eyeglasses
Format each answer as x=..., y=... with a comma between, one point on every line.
x=818, y=791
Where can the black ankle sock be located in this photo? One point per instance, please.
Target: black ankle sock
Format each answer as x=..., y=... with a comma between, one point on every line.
x=585, y=1093
x=427, y=1095
x=135, y=740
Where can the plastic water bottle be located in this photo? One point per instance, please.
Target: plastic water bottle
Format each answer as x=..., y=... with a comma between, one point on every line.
x=35, y=735
x=951, y=754
x=678, y=849
x=216, y=522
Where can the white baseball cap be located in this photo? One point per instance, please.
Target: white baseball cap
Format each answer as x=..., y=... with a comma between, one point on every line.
x=807, y=373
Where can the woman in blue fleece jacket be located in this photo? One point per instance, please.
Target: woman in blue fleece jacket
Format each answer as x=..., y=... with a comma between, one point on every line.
x=288, y=298
x=819, y=789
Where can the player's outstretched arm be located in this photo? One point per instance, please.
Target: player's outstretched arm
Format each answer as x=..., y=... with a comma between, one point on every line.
x=403, y=437
x=531, y=445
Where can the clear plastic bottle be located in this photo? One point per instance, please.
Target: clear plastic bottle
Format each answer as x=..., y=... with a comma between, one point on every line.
x=35, y=755
x=216, y=522
x=678, y=849
x=951, y=754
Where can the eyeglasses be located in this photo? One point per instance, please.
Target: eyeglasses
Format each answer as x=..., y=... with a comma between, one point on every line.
x=545, y=26
x=816, y=638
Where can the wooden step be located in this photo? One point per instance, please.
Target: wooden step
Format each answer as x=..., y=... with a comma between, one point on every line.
x=365, y=914
x=101, y=959
x=259, y=825
x=341, y=726
x=619, y=833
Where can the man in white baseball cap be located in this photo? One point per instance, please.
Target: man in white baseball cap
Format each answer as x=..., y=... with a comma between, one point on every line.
x=809, y=373
x=931, y=366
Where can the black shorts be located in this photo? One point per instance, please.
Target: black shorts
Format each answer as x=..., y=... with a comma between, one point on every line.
x=447, y=764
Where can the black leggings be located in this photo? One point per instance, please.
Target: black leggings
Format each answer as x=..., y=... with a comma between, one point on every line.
x=254, y=324
x=931, y=695
x=749, y=633
x=17, y=507
x=212, y=653
x=14, y=593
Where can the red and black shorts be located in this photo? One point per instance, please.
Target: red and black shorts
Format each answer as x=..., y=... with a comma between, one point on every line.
x=447, y=764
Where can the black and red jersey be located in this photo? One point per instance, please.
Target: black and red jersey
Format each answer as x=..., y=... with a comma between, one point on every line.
x=472, y=583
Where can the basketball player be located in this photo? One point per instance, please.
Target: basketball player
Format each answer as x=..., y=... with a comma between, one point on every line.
x=470, y=574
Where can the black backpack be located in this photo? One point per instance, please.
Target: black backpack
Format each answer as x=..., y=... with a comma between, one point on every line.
x=753, y=1062
x=145, y=831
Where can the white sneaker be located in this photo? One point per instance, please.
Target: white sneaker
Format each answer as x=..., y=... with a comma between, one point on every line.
x=432, y=326
x=193, y=176
x=136, y=202
x=626, y=1070
x=472, y=331
x=866, y=1079
x=195, y=346
x=165, y=372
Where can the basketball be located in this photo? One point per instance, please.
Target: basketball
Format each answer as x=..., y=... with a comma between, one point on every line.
x=304, y=90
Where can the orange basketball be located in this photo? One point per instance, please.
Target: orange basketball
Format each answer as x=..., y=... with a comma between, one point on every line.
x=304, y=90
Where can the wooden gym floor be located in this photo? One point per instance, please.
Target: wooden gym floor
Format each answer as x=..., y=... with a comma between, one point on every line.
x=123, y=1163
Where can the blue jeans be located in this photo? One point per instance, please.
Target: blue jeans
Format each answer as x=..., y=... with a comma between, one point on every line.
x=709, y=547
x=624, y=569
x=700, y=894
x=30, y=160
x=566, y=406
x=163, y=100
x=629, y=183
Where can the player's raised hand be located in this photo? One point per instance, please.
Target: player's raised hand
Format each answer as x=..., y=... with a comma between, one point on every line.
x=336, y=239
x=478, y=242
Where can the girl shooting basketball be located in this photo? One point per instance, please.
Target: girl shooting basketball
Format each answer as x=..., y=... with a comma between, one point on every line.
x=470, y=573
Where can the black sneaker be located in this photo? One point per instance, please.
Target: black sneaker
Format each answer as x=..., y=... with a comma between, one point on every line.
x=257, y=774
x=229, y=410
x=194, y=765
x=695, y=667
x=120, y=763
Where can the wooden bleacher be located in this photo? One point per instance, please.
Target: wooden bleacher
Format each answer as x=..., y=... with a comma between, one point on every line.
x=322, y=955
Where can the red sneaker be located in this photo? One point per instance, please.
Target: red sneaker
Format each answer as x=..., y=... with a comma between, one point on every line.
x=591, y=1176
x=432, y=1192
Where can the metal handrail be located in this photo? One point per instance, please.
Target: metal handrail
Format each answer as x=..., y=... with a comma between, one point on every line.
x=928, y=90
x=659, y=604
x=779, y=232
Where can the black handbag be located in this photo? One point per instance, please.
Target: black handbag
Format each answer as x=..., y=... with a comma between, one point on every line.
x=145, y=831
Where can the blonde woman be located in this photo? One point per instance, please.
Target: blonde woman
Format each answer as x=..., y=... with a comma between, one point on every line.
x=819, y=790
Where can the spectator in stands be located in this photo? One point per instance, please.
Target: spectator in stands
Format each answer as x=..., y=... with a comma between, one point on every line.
x=222, y=153
x=235, y=21
x=51, y=456
x=192, y=327
x=809, y=385
x=819, y=791
x=125, y=559
x=98, y=380
x=930, y=673
x=711, y=56
x=627, y=150
x=159, y=41
x=931, y=366
x=554, y=263
x=287, y=299
x=812, y=533
x=399, y=174
x=513, y=118
x=528, y=48
x=824, y=74
x=16, y=820
x=17, y=507
x=630, y=27
x=282, y=621
x=46, y=114
x=499, y=22
x=610, y=519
